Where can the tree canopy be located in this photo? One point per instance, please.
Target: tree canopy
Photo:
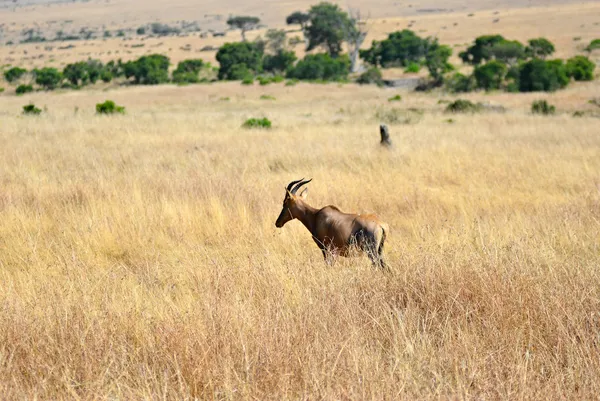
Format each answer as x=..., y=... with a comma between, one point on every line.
x=243, y=23
x=328, y=27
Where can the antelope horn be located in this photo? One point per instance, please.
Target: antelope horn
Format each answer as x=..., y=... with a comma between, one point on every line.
x=297, y=187
x=291, y=184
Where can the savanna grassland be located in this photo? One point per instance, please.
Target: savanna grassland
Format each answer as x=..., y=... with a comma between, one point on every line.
x=139, y=257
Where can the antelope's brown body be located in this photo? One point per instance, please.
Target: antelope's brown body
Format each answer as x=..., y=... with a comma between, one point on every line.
x=334, y=231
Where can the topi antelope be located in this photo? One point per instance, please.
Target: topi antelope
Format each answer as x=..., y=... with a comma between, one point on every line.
x=334, y=231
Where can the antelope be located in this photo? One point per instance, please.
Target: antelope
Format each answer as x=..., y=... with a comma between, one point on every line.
x=334, y=231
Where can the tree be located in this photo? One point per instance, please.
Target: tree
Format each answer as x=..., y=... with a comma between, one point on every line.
x=507, y=51
x=244, y=23
x=14, y=74
x=541, y=75
x=540, y=48
x=479, y=51
x=491, y=75
x=76, y=73
x=355, y=34
x=321, y=67
x=328, y=27
x=436, y=61
x=187, y=71
x=239, y=58
x=276, y=40
x=299, y=18
x=580, y=68
x=400, y=48
x=148, y=70
x=279, y=62
x=48, y=78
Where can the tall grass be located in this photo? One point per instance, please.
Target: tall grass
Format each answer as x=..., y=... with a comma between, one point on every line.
x=139, y=257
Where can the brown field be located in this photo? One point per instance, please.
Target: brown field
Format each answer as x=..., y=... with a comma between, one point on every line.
x=139, y=257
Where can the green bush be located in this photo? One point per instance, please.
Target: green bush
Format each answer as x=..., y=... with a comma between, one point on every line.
x=141, y=30
x=106, y=76
x=412, y=68
x=540, y=47
x=188, y=71
x=401, y=48
x=249, y=80
x=493, y=47
x=279, y=62
x=463, y=106
x=267, y=97
x=22, y=89
x=14, y=74
x=594, y=44
x=491, y=75
x=580, y=68
x=321, y=67
x=109, y=107
x=542, y=107
x=371, y=76
x=1, y=89
x=264, y=80
x=540, y=75
x=291, y=82
x=148, y=70
x=459, y=83
x=30, y=109
x=396, y=98
x=257, y=123
x=48, y=78
x=238, y=60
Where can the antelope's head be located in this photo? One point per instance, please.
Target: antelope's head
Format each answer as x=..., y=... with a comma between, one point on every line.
x=290, y=202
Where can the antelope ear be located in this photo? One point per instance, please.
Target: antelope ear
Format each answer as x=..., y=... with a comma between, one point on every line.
x=304, y=193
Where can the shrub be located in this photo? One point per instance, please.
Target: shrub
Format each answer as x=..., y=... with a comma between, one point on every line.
x=542, y=107
x=106, y=76
x=594, y=44
x=30, y=109
x=141, y=30
x=109, y=107
x=257, y=123
x=279, y=62
x=291, y=82
x=249, y=80
x=580, y=68
x=267, y=97
x=264, y=80
x=463, y=106
x=491, y=75
x=148, y=70
x=48, y=78
x=321, y=67
x=540, y=75
x=162, y=29
x=413, y=68
x=396, y=98
x=1, y=89
x=540, y=47
x=187, y=71
x=22, y=89
x=397, y=116
x=460, y=83
x=238, y=60
x=371, y=76
x=14, y=74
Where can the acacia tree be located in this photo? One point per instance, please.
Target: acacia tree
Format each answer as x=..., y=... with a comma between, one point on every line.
x=540, y=47
x=243, y=23
x=299, y=18
x=328, y=27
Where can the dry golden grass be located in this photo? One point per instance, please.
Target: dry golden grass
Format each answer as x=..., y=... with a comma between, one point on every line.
x=139, y=257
